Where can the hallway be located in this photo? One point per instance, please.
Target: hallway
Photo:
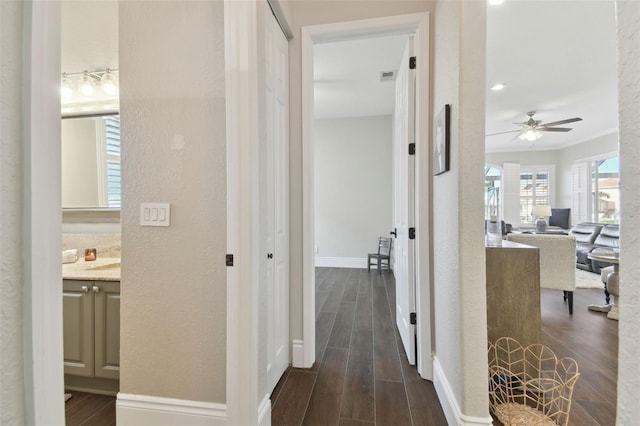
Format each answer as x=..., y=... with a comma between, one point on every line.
x=361, y=376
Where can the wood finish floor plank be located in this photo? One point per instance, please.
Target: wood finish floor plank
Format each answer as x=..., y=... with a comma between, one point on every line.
x=424, y=405
x=351, y=289
x=291, y=405
x=324, y=325
x=324, y=406
x=335, y=296
x=351, y=422
x=104, y=417
x=321, y=297
x=276, y=391
x=358, y=401
x=342, y=326
x=386, y=356
x=391, y=404
x=91, y=405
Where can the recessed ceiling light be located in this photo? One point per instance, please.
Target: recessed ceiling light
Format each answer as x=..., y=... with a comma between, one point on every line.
x=495, y=2
x=497, y=87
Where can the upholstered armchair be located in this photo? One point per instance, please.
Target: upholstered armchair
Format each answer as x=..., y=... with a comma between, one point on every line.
x=557, y=261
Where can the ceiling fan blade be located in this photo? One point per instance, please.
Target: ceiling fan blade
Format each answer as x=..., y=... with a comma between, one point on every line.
x=502, y=133
x=567, y=121
x=554, y=129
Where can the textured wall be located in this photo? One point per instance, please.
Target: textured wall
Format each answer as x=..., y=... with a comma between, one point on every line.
x=353, y=185
x=458, y=241
x=314, y=12
x=12, y=408
x=628, y=16
x=173, y=318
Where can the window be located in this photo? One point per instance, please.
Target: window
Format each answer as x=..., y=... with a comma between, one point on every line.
x=605, y=190
x=492, y=185
x=535, y=189
x=112, y=143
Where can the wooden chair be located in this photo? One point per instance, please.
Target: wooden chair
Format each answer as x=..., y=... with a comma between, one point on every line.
x=382, y=257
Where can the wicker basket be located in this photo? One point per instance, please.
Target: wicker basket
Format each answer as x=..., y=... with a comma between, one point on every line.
x=529, y=385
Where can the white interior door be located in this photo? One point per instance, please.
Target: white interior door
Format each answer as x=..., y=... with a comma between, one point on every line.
x=277, y=198
x=404, y=183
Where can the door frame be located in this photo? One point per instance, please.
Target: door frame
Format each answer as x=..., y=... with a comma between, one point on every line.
x=411, y=24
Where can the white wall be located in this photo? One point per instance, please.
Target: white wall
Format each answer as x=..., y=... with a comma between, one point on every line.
x=628, y=16
x=353, y=185
x=173, y=313
x=79, y=164
x=458, y=240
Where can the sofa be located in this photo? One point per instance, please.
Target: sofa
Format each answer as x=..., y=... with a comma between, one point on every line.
x=597, y=238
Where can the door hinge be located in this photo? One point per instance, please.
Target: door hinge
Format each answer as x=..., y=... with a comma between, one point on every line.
x=412, y=63
x=229, y=259
x=412, y=318
x=412, y=149
x=412, y=233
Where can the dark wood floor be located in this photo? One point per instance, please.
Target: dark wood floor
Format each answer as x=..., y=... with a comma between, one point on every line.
x=362, y=376
x=90, y=409
x=592, y=340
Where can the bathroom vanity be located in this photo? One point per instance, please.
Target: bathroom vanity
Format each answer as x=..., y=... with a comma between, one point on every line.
x=91, y=321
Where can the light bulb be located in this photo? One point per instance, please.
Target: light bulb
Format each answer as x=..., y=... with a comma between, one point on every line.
x=87, y=86
x=65, y=87
x=108, y=83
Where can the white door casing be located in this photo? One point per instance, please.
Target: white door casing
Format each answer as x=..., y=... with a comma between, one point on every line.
x=404, y=183
x=275, y=156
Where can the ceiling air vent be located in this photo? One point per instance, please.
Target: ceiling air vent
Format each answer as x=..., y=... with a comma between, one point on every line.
x=387, y=75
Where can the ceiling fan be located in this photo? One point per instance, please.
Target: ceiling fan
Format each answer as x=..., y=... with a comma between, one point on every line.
x=532, y=129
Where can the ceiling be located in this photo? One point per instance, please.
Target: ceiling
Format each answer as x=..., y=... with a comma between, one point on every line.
x=347, y=76
x=555, y=57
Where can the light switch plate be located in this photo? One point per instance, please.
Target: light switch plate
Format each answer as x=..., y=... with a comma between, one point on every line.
x=155, y=214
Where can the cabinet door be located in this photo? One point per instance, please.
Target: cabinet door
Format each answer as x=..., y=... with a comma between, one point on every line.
x=107, y=329
x=78, y=327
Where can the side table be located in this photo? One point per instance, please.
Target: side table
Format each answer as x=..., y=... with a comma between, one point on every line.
x=612, y=285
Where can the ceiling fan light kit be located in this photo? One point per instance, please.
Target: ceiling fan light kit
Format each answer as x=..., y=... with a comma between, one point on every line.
x=532, y=130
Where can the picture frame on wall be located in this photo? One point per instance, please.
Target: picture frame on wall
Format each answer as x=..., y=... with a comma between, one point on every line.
x=441, y=144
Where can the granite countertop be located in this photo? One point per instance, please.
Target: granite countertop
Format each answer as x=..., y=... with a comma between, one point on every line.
x=101, y=269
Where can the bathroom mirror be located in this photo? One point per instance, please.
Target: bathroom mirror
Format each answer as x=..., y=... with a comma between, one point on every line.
x=91, y=162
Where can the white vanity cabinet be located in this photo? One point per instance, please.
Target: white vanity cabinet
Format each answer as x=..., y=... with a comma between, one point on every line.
x=91, y=319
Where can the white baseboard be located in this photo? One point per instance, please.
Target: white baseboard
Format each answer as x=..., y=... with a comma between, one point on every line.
x=449, y=402
x=264, y=411
x=297, y=353
x=135, y=410
x=341, y=262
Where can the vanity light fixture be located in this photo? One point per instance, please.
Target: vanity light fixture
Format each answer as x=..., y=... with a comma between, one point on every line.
x=88, y=83
x=498, y=87
x=108, y=83
x=66, y=90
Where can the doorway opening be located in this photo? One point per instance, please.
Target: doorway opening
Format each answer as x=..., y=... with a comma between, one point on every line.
x=326, y=241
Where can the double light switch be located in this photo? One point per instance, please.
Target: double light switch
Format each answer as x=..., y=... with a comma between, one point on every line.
x=155, y=214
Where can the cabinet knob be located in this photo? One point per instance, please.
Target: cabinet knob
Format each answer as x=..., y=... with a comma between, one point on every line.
x=85, y=289
x=95, y=289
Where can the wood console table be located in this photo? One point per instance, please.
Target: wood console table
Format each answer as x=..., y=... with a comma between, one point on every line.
x=513, y=292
